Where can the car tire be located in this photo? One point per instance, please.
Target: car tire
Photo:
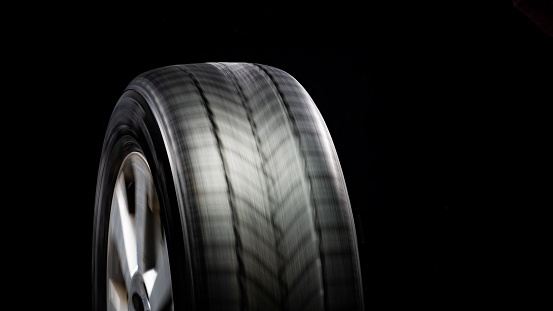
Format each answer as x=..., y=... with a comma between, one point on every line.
x=247, y=192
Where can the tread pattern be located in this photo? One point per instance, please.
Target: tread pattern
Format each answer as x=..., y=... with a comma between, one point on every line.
x=329, y=195
x=294, y=239
x=264, y=202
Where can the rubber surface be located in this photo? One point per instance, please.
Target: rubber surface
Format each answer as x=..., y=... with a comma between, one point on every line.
x=262, y=204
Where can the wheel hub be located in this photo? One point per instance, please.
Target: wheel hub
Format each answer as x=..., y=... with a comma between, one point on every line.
x=138, y=297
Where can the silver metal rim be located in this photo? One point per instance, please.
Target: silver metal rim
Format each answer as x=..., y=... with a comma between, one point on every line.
x=138, y=273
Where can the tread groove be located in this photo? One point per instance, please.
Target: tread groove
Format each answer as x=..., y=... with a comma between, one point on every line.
x=305, y=268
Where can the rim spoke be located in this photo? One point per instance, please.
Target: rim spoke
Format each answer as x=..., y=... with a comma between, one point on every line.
x=160, y=294
x=149, y=280
x=117, y=296
x=122, y=232
x=141, y=214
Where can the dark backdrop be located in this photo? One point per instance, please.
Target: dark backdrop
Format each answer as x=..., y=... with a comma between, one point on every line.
x=438, y=115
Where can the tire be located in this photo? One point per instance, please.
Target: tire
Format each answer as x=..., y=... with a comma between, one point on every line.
x=253, y=205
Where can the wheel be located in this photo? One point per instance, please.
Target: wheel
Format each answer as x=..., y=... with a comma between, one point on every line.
x=219, y=188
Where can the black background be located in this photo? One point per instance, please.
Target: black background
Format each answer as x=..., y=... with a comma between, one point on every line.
x=438, y=115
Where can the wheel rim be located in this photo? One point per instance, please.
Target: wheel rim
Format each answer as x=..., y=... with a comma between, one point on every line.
x=138, y=272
